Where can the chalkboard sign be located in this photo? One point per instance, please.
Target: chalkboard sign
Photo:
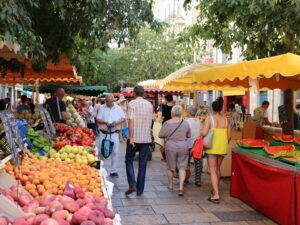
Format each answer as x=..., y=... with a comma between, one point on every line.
x=282, y=114
x=50, y=130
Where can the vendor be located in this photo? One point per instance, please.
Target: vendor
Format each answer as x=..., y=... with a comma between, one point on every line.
x=57, y=107
x=260, y=116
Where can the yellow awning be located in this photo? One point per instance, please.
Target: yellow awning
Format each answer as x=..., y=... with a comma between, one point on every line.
x=234, y=93
x=274, y=72
x=150, y=83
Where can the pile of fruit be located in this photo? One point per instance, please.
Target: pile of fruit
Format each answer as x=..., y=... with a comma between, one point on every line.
x=73, y=136
x=43, y=177
x=73, y=117
x=38, y=141
x=30, y=118
x=79, y=209
x=69, y=154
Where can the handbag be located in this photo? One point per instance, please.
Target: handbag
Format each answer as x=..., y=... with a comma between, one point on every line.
x=107, y=145
x=209, y=136
x=197, y=149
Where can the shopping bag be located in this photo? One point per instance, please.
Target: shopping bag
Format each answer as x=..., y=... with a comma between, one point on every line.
x=197, y=149
x=106, y=148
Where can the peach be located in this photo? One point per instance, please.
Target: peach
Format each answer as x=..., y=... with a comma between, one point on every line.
x=60, y=215
x=50, y=222
x=108, y=221
x=41, y=210
x=20, y=221
x=24, y=200
x=4, y=220
x=71, y=206
x=78, y=218
x=85, y=210
x=109, y=213
x=87, y=222
x=39, y=219
x=79, y=193
x=97, y=217
x=30, y=219
x=31, y=206
x=63, y=222
x=80, y=202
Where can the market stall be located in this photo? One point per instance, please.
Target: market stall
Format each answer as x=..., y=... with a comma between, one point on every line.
x=49, y=173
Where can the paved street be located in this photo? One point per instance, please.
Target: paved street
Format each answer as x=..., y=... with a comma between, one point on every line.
x=160, y=206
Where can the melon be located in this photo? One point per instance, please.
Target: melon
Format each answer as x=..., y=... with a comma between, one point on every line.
x=297, y=140
x=283, y=138
x=252, y=143
x=280, y=151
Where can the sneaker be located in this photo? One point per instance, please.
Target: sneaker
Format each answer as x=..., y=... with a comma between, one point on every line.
x=130, y=191
x=116, y=175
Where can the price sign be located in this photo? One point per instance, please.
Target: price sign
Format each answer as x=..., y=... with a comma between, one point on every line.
x=50, y=130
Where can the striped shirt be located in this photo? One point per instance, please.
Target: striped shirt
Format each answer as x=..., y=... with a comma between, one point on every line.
x=140, y=112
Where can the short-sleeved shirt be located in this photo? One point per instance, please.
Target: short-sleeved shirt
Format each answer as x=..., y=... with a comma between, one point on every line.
x=259, y=115
x=195, y=126
x=140, y=111
x=178, y=141
x=110, y=115
x=22, y=108
x=54, y=106
x=166, y=112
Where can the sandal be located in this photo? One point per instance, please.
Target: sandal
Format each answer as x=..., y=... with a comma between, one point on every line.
x=214, y=200
x=170, y=188
x=180, y=193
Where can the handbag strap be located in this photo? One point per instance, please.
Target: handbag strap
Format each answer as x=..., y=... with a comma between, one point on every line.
x=174, y=131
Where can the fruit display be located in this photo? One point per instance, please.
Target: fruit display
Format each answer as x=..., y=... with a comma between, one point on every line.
x=38, y=141
x=43, y=177
x=79, y=209
x=280, y=151
x=72, y=154
x=73, y=117
x=31, y=119
x=73, y=136
x=297, y=140
x=283, y=138
x=252, y=143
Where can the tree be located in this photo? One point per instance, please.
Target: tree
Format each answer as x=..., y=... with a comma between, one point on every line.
x=47, y=28
x=151, y=55
x=259, y=28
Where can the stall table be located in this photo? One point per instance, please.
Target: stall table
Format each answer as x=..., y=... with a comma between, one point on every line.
x=268, y=185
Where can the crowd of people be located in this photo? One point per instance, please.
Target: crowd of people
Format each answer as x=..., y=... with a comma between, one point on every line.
x=23, y=103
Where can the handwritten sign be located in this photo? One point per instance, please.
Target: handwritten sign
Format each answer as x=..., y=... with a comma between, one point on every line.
x=50, y=130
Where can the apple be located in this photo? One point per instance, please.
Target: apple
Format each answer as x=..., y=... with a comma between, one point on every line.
x=97, y=217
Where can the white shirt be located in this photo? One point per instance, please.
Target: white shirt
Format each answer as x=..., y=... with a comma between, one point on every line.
x=110, y=115
x=196, y=126
x=90, y=117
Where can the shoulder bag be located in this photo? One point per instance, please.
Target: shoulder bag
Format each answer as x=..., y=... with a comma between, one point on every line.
x=209, y=137
x=107, y=145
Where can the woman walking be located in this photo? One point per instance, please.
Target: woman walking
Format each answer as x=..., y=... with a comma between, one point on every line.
x=176, y=133
x=195, y=126
x=215, y=155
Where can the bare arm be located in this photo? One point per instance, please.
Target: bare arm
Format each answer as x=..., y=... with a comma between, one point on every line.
x=206, y=126
x=267, y=122
x=228, y=131
x=64, y=116
x=131, y=130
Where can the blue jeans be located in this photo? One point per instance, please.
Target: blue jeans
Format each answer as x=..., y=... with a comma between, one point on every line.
x=143, y=150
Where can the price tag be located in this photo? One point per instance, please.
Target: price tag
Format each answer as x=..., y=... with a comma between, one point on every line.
x=50, y=130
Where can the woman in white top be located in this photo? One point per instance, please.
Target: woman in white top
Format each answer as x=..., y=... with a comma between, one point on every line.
x=196, y=126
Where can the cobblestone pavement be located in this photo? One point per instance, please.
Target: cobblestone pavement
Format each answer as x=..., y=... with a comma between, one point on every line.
x=160, y=206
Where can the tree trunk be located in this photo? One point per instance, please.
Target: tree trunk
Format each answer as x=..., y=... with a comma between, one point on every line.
x=288, y=127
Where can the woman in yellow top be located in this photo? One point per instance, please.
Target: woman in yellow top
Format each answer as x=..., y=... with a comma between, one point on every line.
x=221, y=136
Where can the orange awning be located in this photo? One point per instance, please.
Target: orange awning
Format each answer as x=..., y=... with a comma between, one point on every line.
x=63, y=73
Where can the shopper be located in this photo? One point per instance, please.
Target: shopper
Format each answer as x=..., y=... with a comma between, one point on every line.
x=7, y=102
x=140, y=121
x=124, y=131
x=167, y=107
x=57, y=107
x=89, y=116
x=110, y=119
x=23, y=105
x=176, y=133
x=31, y=105
x=220, y=138
x=195, y=126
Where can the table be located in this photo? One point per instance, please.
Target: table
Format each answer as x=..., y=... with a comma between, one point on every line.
x=269, y=186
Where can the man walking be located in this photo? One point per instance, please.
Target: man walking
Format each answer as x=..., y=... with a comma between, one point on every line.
x=140, y=121
x=110, y=118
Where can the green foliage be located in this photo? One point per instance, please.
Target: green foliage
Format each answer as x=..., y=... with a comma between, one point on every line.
x=47, y=28
x=259, y=28
x=151, y=55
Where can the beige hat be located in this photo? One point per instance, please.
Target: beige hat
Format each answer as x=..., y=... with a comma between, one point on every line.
x=122, y=98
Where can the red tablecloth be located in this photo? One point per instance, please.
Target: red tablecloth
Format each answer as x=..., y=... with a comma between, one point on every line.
x=267, y=189
x=298, y=199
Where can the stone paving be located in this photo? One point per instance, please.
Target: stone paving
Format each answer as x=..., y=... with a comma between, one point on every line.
x=160, y=206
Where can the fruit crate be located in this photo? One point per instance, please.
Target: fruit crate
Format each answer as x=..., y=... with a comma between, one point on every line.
x=7, y=207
